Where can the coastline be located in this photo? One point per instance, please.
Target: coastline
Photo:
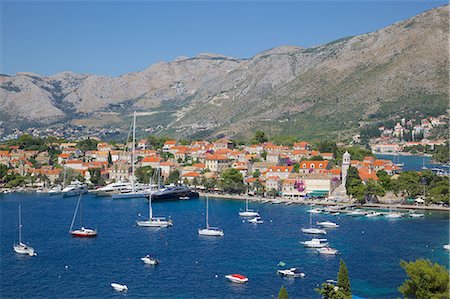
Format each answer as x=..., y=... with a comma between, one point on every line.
x=325, y=202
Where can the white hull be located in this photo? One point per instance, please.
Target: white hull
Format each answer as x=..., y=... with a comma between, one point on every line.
x=22, y=248
x=210, y=232
x=315, y=243
x=374, y=214
x=447, y=247
x=155, y=223
x=256, y=220
x=248, y=214
x=416, y=215
x=149, y=261
x=236, y=279
x=314, y=211
x=119, y=287
x=393, y=216
x=327, y=224
x=328, y=251
x=291, y=273
x=314, y=231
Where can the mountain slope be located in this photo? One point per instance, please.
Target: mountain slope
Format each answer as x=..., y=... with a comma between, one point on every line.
x=306, y=92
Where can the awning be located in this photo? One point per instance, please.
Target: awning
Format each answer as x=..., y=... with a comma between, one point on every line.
x=318, y=193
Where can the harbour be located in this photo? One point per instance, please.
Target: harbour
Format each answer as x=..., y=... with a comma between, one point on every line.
x=195, y=266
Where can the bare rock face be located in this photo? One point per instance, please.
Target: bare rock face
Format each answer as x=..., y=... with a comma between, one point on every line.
x=298, y=91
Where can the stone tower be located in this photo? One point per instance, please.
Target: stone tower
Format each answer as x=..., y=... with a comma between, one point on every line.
x=345, y=166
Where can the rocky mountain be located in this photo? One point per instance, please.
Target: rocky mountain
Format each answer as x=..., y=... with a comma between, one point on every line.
x=306, y=92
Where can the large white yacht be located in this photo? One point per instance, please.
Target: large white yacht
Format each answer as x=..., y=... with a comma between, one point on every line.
x=113, y=188
x=75, y=188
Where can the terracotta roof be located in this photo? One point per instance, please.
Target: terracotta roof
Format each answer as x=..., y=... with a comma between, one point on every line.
x=191, y=174
x=314, y=164
x=151, y=159
x=280, y=169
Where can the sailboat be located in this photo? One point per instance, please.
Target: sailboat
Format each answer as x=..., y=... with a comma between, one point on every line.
x=81, y=232
x=209, y=231
x=154, y=221
x=313, y=230
x=21, y=247
x=247, y=212
x=125, y=194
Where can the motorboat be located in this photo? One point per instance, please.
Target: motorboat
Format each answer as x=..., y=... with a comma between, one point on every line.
x=446, y=247
x=288, y=203
x=248, y=212
x=315, y=231
x=74, y=188
x=175, y=193
x=208, y=230
x=315, y=243
x=113, y=188
x=315, y=211
x=276, y=202
x=327, y=250
x=82, y=232
x=237, y=278
x=55, y=190
x=373, y=214
x=357, y=213
x=148, y=260
x=256, y=220
x=328, y=224
x=21, y=247
x=416, y=215
x=393, y=215
x=119, y=287
x=292, y=272
x=335, y=213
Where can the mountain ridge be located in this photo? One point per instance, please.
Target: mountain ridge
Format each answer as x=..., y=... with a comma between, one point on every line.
x=322, y=91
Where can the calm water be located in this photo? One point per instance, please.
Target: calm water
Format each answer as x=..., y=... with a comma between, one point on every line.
x=413, y=162
x=372, y=249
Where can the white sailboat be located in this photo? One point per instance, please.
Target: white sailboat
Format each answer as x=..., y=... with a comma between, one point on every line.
x=248, y=212
x=313, y=230
x=134, y=193
x=81, y=232
x=154, y=221
x=209, y=231
x=21, y=247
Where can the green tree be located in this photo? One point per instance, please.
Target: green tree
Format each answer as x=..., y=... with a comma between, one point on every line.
x=329, y=291
x=354, y=185
x=3, y=171
x=232, y=181
x=174, y=177
x=373, y=189
x=87, y=144
x=272, y=192
x=425, y=280
x=195, y=182
x=256, y=173
x=260, y=137
x=96, y=177
x=110, y=161
x=283, y=294
x=343, y=282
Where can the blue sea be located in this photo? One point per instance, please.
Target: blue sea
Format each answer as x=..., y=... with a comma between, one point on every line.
x=193, y=266
x=413, y=162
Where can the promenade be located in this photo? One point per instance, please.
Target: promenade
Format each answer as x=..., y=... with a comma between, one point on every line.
x=325, y=202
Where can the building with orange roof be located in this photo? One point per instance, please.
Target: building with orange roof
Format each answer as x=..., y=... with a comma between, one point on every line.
x=313, y=166
x=62, y=158
x=153, y=162
x=273, y=182
x=366, y=173
x=168, y=145
x=223, y=144
x=190, y=176
x=301, y=145
x=217, y=163
x=280, y=171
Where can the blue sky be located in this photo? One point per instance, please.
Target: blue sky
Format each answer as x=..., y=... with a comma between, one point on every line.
x=114, y=37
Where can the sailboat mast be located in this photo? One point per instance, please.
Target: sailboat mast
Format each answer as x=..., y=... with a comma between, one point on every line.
x=150, y=212
x=75, y=214
x=64, y=178
x=246, y=203
x=20, y=224
x=134, y=150
x=207, y=222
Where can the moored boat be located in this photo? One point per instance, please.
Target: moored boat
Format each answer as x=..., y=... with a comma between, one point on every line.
x=149, y=260
x=119, y=287
x=373, y=214
x=327, y=224
x=81, y=232
x=327, y=250
x=256, y=220
x=292, y=272
x=21, y=247
x=208, y=230
x=237, y=278
x=315, y=243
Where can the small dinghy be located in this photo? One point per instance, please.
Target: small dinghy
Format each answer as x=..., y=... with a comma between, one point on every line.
x=237, y=278
x=256, y=220
x=149, y=260
x=416, y=215
x=447, y=247
x=119, y=287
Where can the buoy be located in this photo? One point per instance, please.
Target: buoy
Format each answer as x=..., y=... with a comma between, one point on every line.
x=271, y=220
x=216, y=276
x=362, y=232
x=67, y=267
